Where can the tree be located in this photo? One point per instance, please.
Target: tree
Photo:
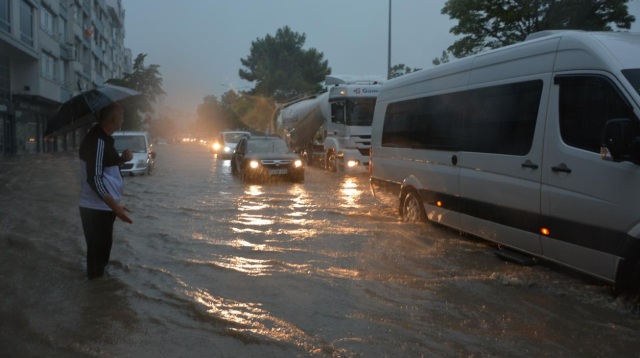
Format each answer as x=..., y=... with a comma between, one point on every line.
x=490, y=24
x=401, y=69
x=441, y=60
x=148, y=81
x=282, y=68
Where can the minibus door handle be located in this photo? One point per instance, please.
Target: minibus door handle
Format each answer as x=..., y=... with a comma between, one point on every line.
x=562, y=168
x=529, y=165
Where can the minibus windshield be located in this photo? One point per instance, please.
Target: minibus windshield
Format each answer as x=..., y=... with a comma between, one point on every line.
x=633, y=76
x=134, y=143
x=360, y=111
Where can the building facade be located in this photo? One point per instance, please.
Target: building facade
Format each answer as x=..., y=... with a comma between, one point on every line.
x=49, y=49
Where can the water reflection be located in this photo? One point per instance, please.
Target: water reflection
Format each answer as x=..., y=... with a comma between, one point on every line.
x=350, y=193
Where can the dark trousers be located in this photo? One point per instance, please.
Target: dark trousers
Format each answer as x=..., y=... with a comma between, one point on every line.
x=98, y=232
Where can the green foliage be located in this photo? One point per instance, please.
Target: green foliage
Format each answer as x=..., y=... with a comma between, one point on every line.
x=490, y=24
x=282, y=68
x=401, y=69
x=233, y=111
x=148, y=81
x=441, y=60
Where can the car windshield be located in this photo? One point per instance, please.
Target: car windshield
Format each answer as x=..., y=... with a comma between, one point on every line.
x=268, y=146
x=360, y=112
x=135, y=143
x=234, y=137
x=633, y=76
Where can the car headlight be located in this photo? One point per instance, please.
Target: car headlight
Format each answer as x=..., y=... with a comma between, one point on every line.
x=227, y=149
x=253, y=164
x=216, y=146
x=141, y=163
x=352, y=163
x=298, y=163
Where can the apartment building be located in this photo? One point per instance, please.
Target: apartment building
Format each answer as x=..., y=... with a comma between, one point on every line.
x=47, y=48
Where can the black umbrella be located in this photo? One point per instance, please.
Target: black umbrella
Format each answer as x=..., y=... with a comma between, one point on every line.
x=84, y=108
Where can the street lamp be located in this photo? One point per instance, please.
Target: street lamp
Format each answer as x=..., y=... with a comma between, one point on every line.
x=389, y=49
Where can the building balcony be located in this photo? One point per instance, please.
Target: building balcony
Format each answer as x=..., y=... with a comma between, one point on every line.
x=85, y=41
x=99, y=25
x=14, y=48
x=62, y=11
x=99, y=80
x=86, y=7
x=65, y=95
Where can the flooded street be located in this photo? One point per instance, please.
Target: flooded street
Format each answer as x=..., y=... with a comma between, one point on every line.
x=212, y=267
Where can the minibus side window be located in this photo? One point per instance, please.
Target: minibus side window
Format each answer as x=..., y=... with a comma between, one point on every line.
x=438, y=122
x=502, y=119
x=397, y=128
x=586, y=104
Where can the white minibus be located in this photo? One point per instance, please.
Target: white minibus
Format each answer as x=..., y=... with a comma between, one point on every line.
x=535, y=146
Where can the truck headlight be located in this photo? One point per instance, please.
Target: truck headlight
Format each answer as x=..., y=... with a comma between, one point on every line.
x=216, y=146
x=253, y=164
x=352, y=163
x=227, y=149
x=298, y=163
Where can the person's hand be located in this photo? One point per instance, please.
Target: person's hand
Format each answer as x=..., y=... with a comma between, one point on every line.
x=121, y=212
x=127, y=155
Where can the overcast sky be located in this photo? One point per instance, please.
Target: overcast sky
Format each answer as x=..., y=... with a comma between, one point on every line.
x=199, y=43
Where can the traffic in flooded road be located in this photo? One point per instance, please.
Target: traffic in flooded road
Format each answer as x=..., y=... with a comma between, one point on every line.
x=216, y=267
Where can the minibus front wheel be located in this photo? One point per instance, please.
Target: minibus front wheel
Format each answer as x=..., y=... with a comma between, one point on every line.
x=412, y=209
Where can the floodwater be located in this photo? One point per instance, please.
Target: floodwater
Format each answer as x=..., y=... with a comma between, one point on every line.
x=213, y=267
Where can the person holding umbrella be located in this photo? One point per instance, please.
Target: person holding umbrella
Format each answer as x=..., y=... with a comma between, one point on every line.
x=102, y=187
x=102, y=183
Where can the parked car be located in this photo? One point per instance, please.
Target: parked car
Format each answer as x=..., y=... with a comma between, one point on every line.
x=534, y=146
x=226, y=142
x=264, y=157
x=143, y=161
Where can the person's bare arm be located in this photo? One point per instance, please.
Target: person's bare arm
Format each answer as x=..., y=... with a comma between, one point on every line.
x=119, y=210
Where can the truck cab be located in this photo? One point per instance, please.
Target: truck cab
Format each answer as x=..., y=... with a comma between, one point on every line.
x=347, y=134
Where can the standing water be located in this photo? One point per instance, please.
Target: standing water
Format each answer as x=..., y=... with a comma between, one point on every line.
x=217, y=268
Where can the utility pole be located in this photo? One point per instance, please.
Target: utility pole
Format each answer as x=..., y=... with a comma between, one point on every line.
x=389, y=57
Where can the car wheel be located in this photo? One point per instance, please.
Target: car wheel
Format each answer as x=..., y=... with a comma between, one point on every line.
x=331, y=163
x=412, y=208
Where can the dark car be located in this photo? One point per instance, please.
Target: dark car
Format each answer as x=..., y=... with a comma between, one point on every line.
x=265, y=157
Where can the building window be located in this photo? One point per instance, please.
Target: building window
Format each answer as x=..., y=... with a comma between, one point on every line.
x=48, y=21
x=26, y=23
x=5, y=84
x=63, y=73
x=48, y=66
x=63, y=30
x=5, y=15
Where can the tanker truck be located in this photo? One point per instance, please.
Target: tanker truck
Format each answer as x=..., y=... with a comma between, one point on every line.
x=332, y=129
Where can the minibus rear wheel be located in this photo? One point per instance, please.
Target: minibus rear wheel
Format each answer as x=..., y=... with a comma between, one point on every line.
x=412, y=208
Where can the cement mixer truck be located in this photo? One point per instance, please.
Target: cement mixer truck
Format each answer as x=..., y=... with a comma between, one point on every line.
x=332, y=129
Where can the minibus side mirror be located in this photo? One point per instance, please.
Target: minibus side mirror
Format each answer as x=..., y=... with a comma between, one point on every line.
x=618, y=138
